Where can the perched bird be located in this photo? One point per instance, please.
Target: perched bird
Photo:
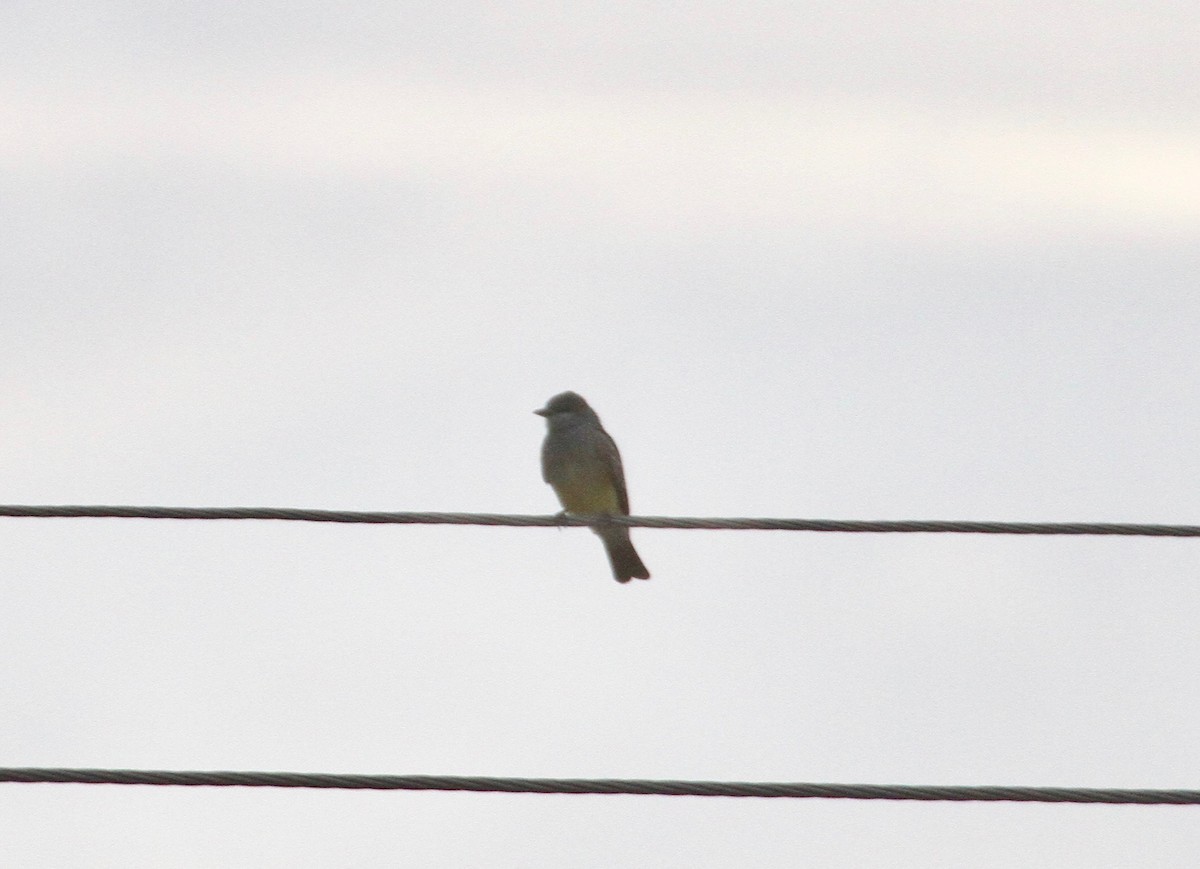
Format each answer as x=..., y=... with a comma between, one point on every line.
x=581, y=462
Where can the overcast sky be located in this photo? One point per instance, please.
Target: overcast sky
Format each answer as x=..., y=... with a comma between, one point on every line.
x=854, y=260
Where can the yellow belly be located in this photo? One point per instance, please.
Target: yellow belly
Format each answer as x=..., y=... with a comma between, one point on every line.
x=583, y=492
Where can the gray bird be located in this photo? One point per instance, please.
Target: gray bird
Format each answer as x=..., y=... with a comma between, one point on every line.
x=581, y=462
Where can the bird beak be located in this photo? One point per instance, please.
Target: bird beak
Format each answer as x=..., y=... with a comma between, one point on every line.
x=541, y=411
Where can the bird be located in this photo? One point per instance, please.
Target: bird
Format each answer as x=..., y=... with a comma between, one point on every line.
x=581, y=463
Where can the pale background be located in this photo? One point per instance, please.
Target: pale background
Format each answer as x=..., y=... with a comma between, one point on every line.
x=826, y=260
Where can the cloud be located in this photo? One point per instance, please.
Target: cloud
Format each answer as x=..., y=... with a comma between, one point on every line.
x=693, y=159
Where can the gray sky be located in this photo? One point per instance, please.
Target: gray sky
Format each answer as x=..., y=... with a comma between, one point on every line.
x=839, y=261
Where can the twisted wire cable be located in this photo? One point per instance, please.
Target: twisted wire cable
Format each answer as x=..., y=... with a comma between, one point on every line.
x=660, y=787
x=378, y=517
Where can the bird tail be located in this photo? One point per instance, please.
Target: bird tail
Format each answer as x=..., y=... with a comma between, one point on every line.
x=626, y=564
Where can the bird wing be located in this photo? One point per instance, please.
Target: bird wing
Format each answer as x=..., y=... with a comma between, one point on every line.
x=606, y=449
